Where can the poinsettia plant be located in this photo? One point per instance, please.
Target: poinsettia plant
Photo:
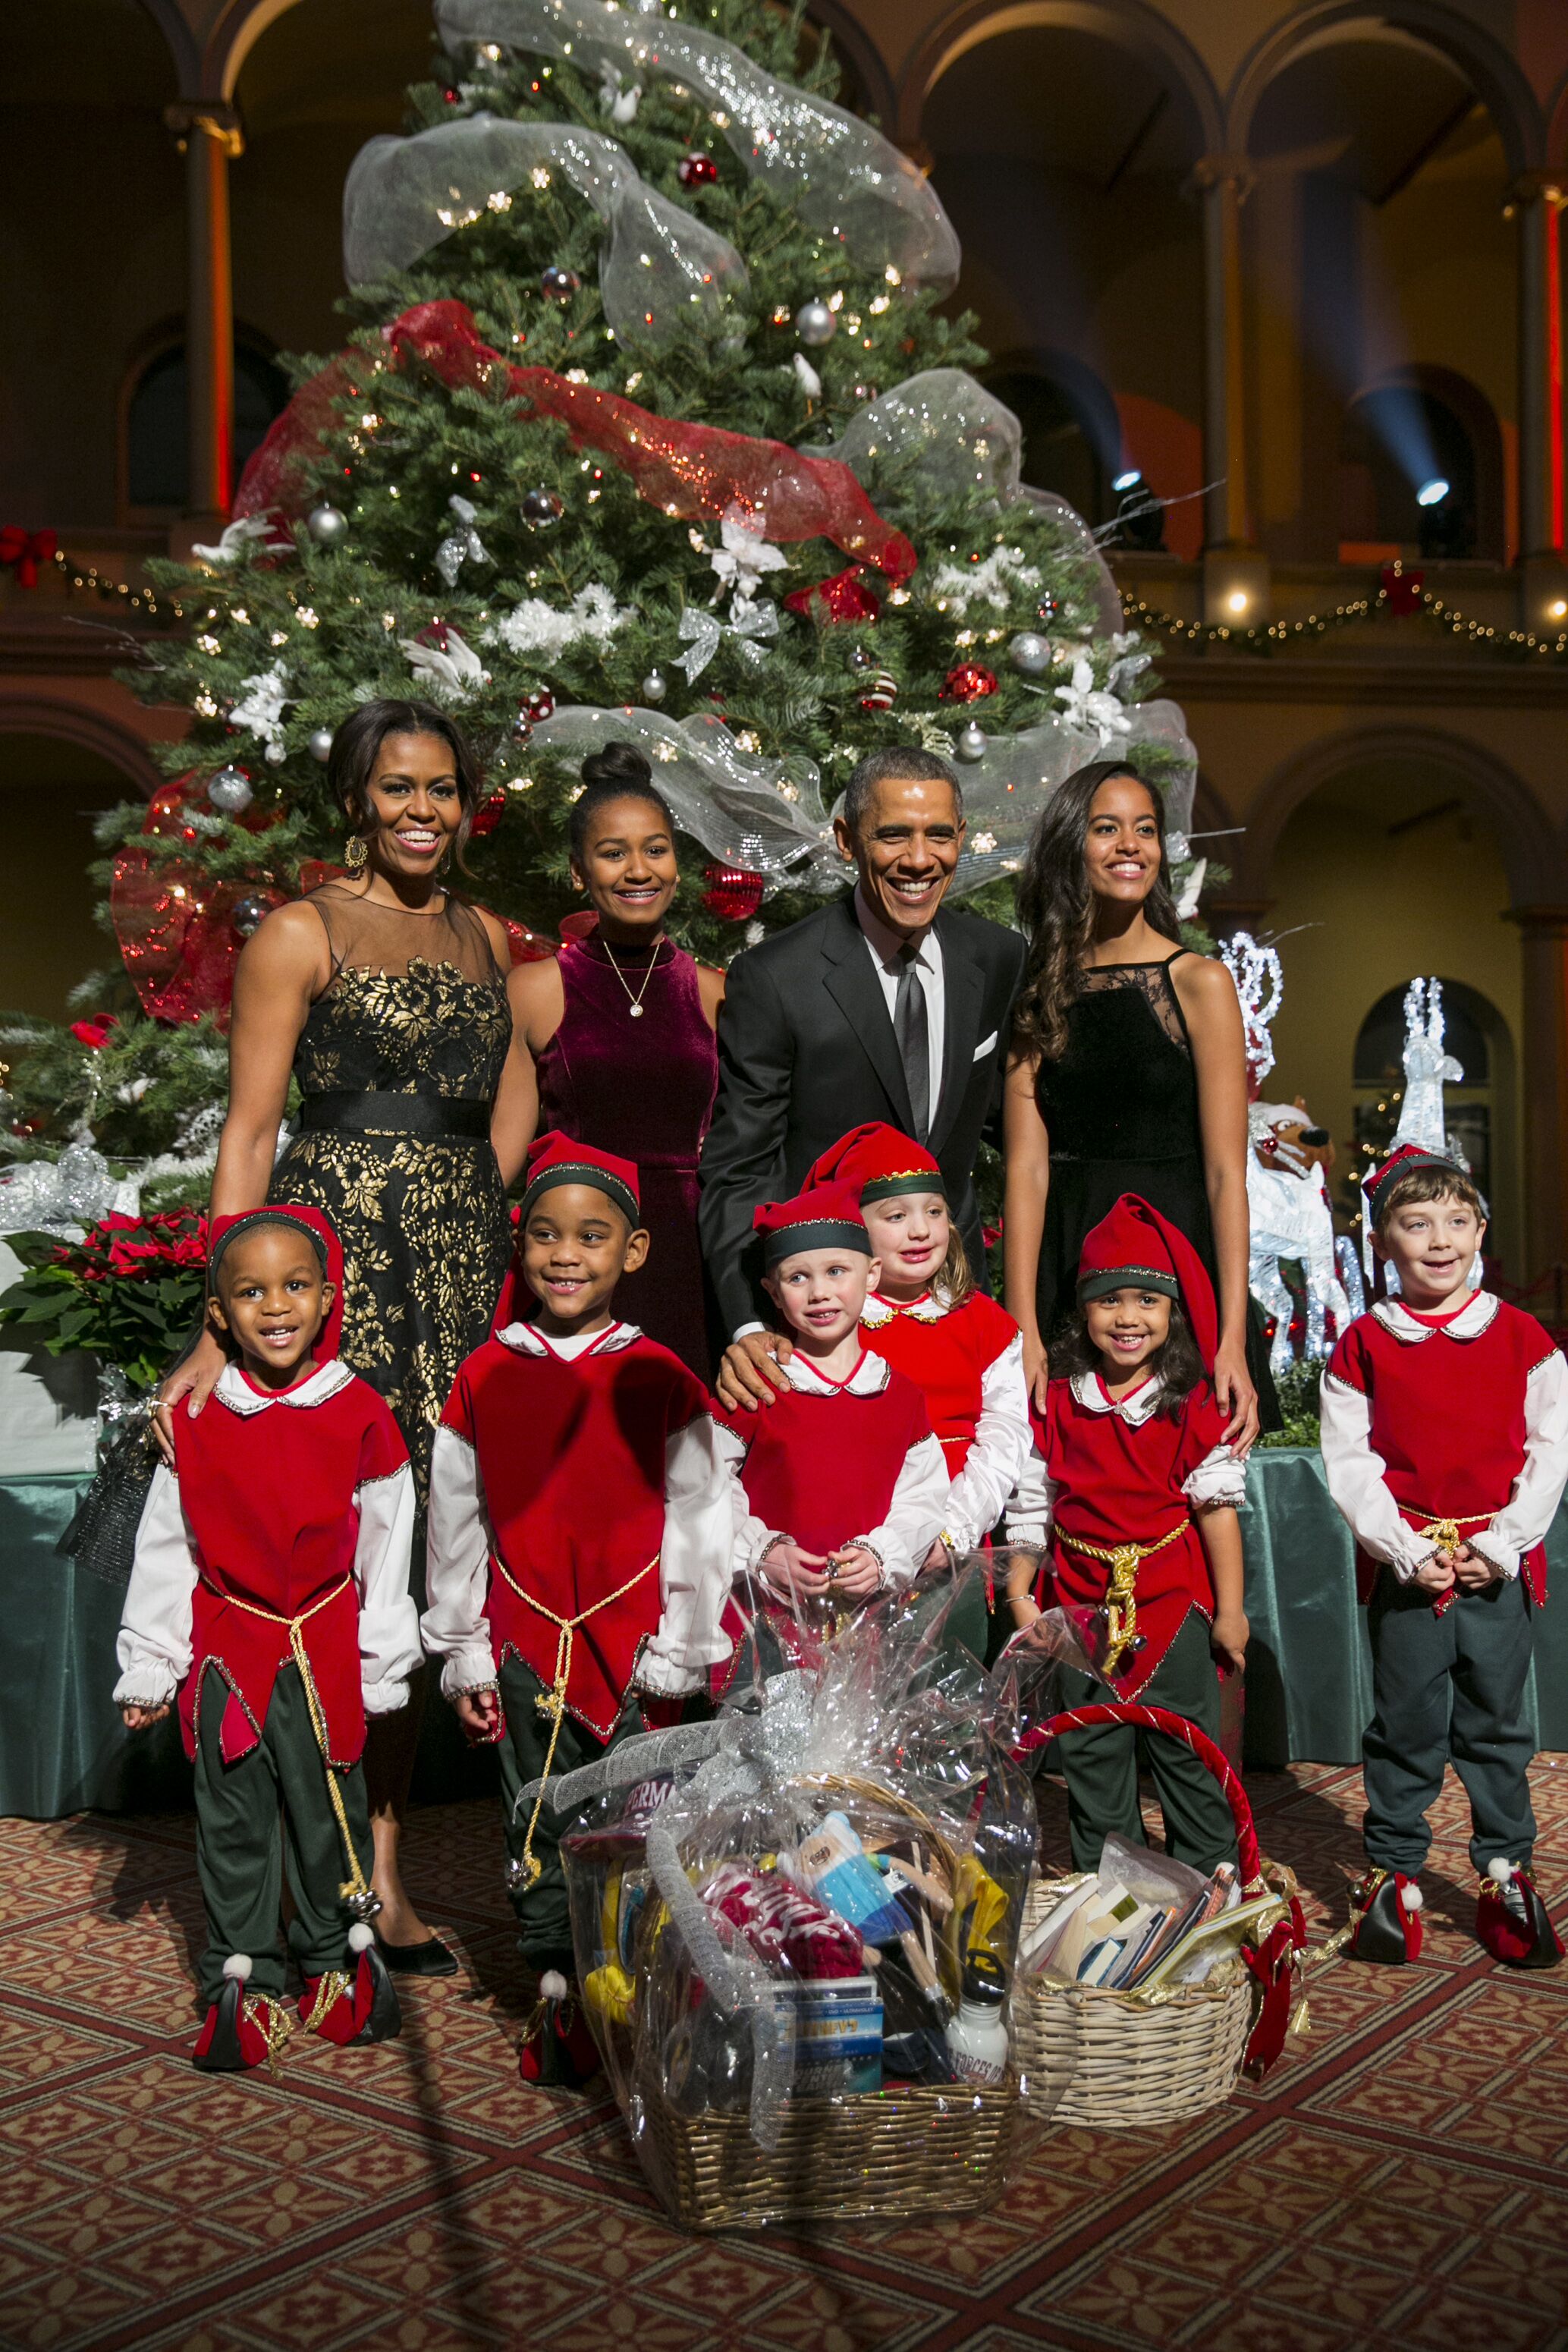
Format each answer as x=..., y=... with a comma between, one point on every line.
x=130, y=1291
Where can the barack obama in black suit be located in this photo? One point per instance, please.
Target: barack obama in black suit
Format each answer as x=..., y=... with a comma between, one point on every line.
x=807, y=1042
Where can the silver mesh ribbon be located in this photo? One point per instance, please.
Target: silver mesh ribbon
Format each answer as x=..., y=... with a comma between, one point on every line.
x=839, y=174
x=660, y=264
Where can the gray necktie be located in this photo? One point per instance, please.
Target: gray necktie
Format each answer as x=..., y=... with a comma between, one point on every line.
x=914, y=1041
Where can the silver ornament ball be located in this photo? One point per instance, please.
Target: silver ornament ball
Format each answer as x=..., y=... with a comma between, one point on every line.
x=542, y=507
x=655, y=685
x=319, y=744
x=862, y=657
x=1029, y=653
x=328, y=525
x=248, y=914
x=230, y=791
x=971, y=743
x=815, y=324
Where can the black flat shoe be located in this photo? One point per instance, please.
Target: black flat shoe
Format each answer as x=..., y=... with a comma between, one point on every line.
x=430, y=1958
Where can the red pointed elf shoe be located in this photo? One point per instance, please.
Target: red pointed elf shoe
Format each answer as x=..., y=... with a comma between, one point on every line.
x=1512, y=1921
x=239, y=2031
x=352, y=2009
x=1386, y=1910
x=558, y=2049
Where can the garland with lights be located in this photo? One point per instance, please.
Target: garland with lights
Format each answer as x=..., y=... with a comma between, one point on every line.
x=1399, y=592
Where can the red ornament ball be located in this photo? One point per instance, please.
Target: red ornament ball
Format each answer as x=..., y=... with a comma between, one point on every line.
x=539, y=707
x=881, y=691
x=696, y=170
x=733, y=893
x=487, y=816
x=968, y=683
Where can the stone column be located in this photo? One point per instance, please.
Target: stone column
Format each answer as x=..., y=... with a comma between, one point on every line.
x=1235, y=574
x=1544, y=941
x=210, y=139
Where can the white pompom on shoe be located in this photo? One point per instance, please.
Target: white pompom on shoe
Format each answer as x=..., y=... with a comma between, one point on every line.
x=1412, y=1898
x=553, y=1986
x=238, y=1964
x=361, y=1937
x=1499, y=1871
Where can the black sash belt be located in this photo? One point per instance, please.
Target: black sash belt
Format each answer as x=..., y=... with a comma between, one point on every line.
x=439, y=1119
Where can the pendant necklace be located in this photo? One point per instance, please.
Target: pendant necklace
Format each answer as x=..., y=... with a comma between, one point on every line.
x=635, y=1002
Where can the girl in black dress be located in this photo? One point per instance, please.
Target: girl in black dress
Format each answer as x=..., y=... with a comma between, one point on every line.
x=1127, y=1073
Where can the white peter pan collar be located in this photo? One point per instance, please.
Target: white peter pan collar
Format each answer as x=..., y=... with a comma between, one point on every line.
x=869, y=1378
x=1134, y=1408
x=237, y=1394
x=1473, y=1318
x=878, y=1312
x=527, y=1340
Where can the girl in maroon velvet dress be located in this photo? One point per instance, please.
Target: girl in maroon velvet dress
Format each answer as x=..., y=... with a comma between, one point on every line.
x=621, y=1030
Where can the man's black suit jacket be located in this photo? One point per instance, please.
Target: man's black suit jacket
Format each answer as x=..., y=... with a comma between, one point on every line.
x=806, y=1051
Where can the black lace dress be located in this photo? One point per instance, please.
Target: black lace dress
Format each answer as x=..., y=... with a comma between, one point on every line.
x=398, y=1065
x=1120, y=1107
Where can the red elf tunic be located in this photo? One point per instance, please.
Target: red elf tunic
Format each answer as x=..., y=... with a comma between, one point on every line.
x=1119, y=1473
x=967, y=1363
x=592, y=1470
x=276, y=1490
x=1462, y=1418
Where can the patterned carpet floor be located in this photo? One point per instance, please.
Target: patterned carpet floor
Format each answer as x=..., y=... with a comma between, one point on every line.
x=1401, y=2178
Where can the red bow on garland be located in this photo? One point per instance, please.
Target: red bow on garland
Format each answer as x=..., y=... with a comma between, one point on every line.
x=24, y=550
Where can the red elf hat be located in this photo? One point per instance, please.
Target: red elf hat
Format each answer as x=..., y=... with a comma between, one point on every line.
x=556, y=1159
x=322, y=1235
x=875, y=1162
x=1404, y=1161
x=826, y=1218
x=1135, y=1245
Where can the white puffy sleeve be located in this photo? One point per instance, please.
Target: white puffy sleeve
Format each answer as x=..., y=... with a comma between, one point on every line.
x=1529, y=1510
x=915, y=1517
x=749, y=1537
x=153, y=1646
x=389, y=1622
x=1220, y=1478
x=991, y=1467
x=694, y=1564
x=1356, y=1481
x=455, y=1627
x=1030, y=1511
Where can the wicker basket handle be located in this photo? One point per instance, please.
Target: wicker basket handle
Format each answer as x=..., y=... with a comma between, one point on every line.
x=1160, y=1718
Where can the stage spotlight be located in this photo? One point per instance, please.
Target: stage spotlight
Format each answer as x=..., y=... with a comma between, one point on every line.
x=1140, y=518
x=1432, y=493
x=1127, y=482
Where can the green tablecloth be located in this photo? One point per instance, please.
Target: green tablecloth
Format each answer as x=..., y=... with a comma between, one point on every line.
x=1308, y=1690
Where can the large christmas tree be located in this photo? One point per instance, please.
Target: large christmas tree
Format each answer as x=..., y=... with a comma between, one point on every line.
x=649, y=423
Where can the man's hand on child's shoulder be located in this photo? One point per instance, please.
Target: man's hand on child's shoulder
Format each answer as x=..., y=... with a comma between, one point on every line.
x=752, y=1369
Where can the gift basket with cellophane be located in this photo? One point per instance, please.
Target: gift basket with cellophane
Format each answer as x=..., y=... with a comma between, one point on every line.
x=795, y=1927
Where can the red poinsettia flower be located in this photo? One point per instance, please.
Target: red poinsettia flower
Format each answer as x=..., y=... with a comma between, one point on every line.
x=94, y=1034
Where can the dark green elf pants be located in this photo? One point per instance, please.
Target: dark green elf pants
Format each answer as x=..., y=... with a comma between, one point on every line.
x=1101, y=1764
x=1448, y=1689
x=240, y=1856
x=543, y=1914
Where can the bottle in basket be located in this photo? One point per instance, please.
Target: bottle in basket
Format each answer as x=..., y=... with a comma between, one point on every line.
x=978, y=2037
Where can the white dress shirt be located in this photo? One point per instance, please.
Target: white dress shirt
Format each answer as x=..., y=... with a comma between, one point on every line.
x=885, y=947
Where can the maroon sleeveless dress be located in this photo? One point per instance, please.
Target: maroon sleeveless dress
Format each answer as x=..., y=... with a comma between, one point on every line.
x=643, y=1089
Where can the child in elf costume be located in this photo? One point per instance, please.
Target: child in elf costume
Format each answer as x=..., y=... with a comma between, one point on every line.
x=579, y=1534
x=840, y=1486
x=1445, y=1439
x=270, y=1590
x=1131, y=1483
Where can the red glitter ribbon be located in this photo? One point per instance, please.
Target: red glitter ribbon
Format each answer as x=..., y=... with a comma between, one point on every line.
x=693, y=472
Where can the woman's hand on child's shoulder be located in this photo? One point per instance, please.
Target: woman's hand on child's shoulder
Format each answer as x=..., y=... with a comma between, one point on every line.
x=1228, y=1639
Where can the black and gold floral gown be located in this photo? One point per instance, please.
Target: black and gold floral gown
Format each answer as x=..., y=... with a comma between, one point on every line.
x=398, y=1065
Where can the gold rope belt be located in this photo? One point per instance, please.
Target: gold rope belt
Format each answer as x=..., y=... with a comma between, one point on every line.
x=552, y=1702
x=1445, y=1533
x=1120, y=1601
x=354, y=1892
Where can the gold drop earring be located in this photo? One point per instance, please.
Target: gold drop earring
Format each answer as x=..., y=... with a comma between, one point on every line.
x=356, y=853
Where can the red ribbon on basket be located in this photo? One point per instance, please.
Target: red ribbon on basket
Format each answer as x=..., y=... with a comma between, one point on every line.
x=1273, y=1965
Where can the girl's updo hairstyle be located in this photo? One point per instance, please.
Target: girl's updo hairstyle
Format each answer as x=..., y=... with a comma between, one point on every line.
x=356, y=747
x=616, y=773
x=1056, y=906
